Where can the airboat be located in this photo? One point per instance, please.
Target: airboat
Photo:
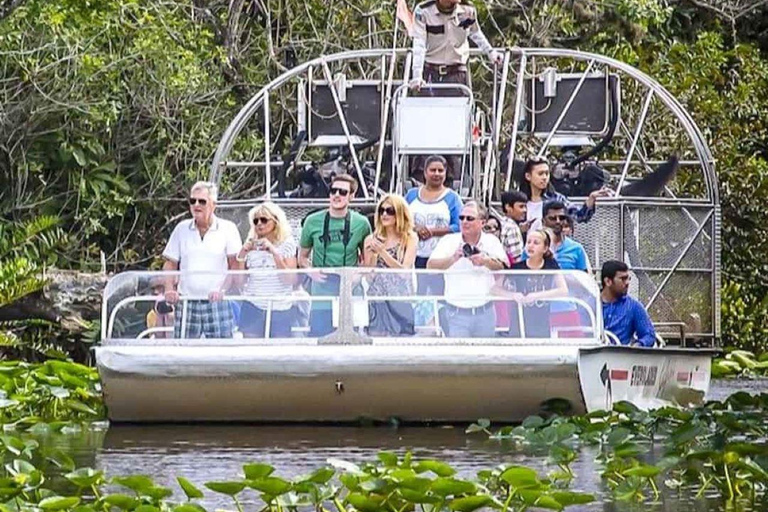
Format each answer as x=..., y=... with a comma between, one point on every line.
x=353, y=112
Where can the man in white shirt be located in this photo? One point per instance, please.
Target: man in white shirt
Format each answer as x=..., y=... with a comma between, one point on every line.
x=469, y=257
x=203, y=248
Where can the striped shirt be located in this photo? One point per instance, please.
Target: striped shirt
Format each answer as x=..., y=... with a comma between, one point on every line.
x=625, y=318
x=269, y=284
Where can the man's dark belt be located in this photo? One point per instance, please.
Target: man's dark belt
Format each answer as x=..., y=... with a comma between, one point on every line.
x=446, y=69
x=470, y=311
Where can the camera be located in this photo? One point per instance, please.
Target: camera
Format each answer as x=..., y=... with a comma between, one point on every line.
x=469, y=250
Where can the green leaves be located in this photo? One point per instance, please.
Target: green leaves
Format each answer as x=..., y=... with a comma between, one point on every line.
x=189, y=488
x=228, y=488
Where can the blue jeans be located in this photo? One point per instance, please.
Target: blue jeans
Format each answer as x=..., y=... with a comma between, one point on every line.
x=477, y=322
x=253, y=321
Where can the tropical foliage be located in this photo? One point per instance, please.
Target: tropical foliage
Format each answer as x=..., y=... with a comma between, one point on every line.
x=111, y=107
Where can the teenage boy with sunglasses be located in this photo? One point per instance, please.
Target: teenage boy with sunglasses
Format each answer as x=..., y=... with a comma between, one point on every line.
x=334, y=238
x=203, y=248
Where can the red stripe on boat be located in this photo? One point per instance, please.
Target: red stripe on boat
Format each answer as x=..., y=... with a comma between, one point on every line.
x=619, y=375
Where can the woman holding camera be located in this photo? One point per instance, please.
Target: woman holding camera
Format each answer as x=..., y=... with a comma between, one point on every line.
x=392, y=245
x=270, y=246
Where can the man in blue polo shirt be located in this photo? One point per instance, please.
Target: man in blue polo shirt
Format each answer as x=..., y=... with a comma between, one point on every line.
x=623, y=315
x=569, y=253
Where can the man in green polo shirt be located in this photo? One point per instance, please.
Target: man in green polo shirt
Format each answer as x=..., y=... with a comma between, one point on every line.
x=334, y=238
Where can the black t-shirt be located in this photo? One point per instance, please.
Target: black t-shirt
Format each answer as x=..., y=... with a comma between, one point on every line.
x=537, y=324
x=530, y=283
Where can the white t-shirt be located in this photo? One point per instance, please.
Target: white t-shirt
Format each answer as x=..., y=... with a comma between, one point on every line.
x=202, y=261
x=432, y=214
x=535, y=211
x=467, y=285
x=269, y=284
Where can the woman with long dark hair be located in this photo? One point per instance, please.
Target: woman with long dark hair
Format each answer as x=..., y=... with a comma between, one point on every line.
x=535, y=183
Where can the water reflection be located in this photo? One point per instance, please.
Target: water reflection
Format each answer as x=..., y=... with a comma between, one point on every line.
x=211, y=452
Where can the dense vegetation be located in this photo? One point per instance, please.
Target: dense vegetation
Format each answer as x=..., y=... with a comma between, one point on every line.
x=108, y=108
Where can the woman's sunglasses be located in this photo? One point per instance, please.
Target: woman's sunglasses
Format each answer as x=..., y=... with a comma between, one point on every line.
x=389, y=210
x=261, y=220
x=490, y=228
x=193, y=201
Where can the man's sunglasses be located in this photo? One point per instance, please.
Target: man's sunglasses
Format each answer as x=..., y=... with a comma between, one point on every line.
x=261, y=220
x=389, y=210
x=468, y=218
x=341, y=191
x=561, y=218
x=193, y=201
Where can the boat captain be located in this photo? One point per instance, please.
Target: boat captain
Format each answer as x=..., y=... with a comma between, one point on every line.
x=440, y=43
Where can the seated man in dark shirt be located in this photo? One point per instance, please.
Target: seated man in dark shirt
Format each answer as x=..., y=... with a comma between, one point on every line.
x=623, y=315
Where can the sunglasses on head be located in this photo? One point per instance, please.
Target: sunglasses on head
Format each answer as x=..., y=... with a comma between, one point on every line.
x=561, y=218
x=341, y=191
x=389, y=210
x=194, y=200
x=261, y=220
x=468, y=218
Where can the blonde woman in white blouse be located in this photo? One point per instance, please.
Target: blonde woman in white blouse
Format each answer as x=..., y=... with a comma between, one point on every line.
x=270, y=246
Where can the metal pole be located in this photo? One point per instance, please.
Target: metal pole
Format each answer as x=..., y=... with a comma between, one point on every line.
x=267, y=146
x=633, y=145
x=385, y=113
x=516, y=120
x=344, y=126
x=566, y=108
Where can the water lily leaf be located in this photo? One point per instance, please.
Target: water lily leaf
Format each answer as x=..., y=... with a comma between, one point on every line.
x=321, y=476
x=389, y=459
x=625, y=407
x=747, y=448
x=371, y=503
x=374, y=485
x=618, y=436
x=416, y=483
x=349, y=481
x=435, y=466
x=136, y=483
x=189, y=507
x=643, y=471
x=85, y=477
x=84, y=508
x=257, y=471
x=418, y=497
x=228, y=488
x=121, y=501
x=189, y=488
x=452, y=487
x=470, y=503
x=533, y=422
x=146, y=508
x=520, y=477
x=21, y=466
x=568, y=498
x=13, y=444
x=58, y=502
x=63, y=460
x=629, y=450
x=539, y=499
x=157, y=492
x=270, y=485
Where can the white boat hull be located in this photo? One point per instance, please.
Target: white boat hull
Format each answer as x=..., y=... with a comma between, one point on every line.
x=649, y=378
x=286, y=383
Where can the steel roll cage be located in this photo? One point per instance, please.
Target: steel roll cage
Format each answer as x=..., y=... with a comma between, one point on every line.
x=261, y=101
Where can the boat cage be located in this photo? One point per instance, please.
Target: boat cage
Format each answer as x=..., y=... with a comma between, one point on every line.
x=596, y=119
